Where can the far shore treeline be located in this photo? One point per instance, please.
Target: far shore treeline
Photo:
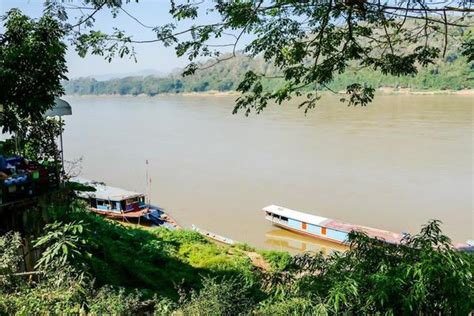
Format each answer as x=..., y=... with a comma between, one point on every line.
x=453, y=72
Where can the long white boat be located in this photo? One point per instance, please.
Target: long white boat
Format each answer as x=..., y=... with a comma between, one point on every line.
x=334, y=230
x=323, y=227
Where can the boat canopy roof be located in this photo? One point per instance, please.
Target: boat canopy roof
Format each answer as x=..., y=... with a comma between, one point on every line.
x=104, y=192
x=388, y=236
x=303, y=217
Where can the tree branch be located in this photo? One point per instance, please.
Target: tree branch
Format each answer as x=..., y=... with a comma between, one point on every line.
x=89, y=17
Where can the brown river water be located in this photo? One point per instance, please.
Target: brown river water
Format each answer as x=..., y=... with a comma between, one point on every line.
x=392, y=165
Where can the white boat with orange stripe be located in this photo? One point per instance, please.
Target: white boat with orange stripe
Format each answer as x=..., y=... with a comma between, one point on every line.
x=323, y=227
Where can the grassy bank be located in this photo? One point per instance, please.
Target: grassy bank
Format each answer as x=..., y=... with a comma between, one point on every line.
x=92, y=265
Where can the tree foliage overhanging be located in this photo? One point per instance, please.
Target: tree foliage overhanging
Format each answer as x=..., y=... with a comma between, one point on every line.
x=308, y=42
x=453, y=72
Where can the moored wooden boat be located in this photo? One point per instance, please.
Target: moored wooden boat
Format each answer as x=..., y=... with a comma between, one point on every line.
x=322, y=227
x=334, y=230
x=213, y=236
x=120, y=204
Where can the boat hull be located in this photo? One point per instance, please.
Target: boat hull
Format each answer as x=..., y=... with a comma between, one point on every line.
x=150, y=216
x=323, y=227
x=214, y=237
x=294, y=230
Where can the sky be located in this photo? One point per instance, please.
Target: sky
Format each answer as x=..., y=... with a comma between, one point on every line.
x=152, y=56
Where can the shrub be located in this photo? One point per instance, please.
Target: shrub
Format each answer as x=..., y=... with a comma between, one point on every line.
x=290, y=306
x=278, y=260
x=112, y=301
x=42, y=299
x=231, y=296
x=10, y=259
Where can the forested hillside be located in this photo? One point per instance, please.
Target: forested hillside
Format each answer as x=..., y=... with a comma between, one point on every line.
x=452, y=72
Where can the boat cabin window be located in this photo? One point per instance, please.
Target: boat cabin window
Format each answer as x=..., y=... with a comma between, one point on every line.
x=131, y=201
x=281, y=218
x=101, y=204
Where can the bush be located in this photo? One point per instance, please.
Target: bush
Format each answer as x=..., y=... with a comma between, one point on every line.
x=164, y=306
x=290, y=306
x=231, y=296
x=278, y=260
x=42, y=299
x=10, y=259
x=111, y=301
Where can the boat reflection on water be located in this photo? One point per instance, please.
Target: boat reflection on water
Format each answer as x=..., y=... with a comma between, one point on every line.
x=294, y=243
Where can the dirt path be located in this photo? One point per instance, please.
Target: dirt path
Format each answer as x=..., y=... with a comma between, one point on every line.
x=258, y=261
x=256, y=258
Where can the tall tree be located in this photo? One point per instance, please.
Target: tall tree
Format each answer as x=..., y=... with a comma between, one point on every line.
x=32, y=65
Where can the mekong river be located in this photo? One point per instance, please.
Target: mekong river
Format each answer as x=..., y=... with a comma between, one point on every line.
x=392, y=165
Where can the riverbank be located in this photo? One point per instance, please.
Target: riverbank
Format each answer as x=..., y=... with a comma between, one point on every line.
x=214, y=93
x=406, y=91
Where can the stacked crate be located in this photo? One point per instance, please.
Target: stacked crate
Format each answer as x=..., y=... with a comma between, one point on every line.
x=22, y=179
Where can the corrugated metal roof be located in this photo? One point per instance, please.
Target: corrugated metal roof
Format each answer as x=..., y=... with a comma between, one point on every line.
x=307, y=218
x=104, y=192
